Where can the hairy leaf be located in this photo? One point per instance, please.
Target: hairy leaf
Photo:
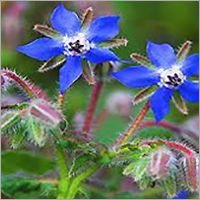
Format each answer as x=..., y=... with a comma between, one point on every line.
x=10, y=120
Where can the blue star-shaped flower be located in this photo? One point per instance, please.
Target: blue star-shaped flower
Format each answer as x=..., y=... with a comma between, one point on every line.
x=183, y=194
x=168, y=74
x=75, y=43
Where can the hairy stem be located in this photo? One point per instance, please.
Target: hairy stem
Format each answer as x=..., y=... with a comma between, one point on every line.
x=60, y=101
x=91, y=108
x=75, y=182
x=63, y=171
x=133, y=126
x=169, y=126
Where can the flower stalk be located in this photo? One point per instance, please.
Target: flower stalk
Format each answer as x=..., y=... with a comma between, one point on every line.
x=170, y=126
x=133, y=126
x=91, y=108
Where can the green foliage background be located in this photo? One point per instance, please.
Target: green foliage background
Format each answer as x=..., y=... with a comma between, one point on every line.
x=161, y=22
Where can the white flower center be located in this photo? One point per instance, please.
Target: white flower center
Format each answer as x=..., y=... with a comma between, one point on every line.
x=172, y=77
x=76, y=45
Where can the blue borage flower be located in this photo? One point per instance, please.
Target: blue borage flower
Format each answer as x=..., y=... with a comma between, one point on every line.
x=75, y=43
x=169, y=74
x=183, y=194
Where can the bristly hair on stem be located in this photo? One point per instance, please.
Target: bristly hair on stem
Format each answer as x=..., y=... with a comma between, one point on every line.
x=32, y=90
x=133, y=126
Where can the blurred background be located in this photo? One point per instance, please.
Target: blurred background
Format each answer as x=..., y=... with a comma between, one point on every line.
x=160, y=22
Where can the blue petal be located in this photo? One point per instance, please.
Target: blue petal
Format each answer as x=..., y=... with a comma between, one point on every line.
x=159, y=102
x=137, y=76
x=70, y=72
x=183, y=194
x=100, y=55
x=103, y=28
x=64, y=21
x=161, y=55
x=191, y=65
x=189, y=91
x=42, y=49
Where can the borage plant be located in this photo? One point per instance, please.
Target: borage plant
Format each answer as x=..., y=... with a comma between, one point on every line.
x=154, y=162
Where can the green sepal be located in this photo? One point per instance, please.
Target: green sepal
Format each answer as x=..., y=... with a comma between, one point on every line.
x=52, y=63
x=179, y=103
x=37, y=132
x=87, y=17
x=142, y=60
x=18, y=138
x=114, y=43
x=169, y=184
x=47, y=31
x=88, y=74
x=144, y=94
x=183, y=51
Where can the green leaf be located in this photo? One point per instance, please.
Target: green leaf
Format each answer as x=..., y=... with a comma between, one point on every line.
x=170, y=186
x=24, y=188
x=140, y=168
x=129, y=169
x=81, y=163
x=18, y=138
x=10, y=120
x=179, y=103
x=144, y=94
x=145, y=182
x=16, y=161
x=52, y=63
x=137, y=169
x=37, y=132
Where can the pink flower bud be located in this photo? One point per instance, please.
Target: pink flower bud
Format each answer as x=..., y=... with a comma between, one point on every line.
x=5, y=82
x=191, y=169
x=45, y=112
x=160, y=163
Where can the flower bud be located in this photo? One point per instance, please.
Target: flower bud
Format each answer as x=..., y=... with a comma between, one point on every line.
x=45, y=112
x=191, y=171
x=160, y=163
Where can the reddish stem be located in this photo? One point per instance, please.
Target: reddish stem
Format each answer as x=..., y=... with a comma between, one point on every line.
x=91, y=108
x=169, y=126
x=173, y=144
x=133, y=126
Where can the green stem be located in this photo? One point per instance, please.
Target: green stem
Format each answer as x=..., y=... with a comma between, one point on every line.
x=75, y=182
x=63, y=171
